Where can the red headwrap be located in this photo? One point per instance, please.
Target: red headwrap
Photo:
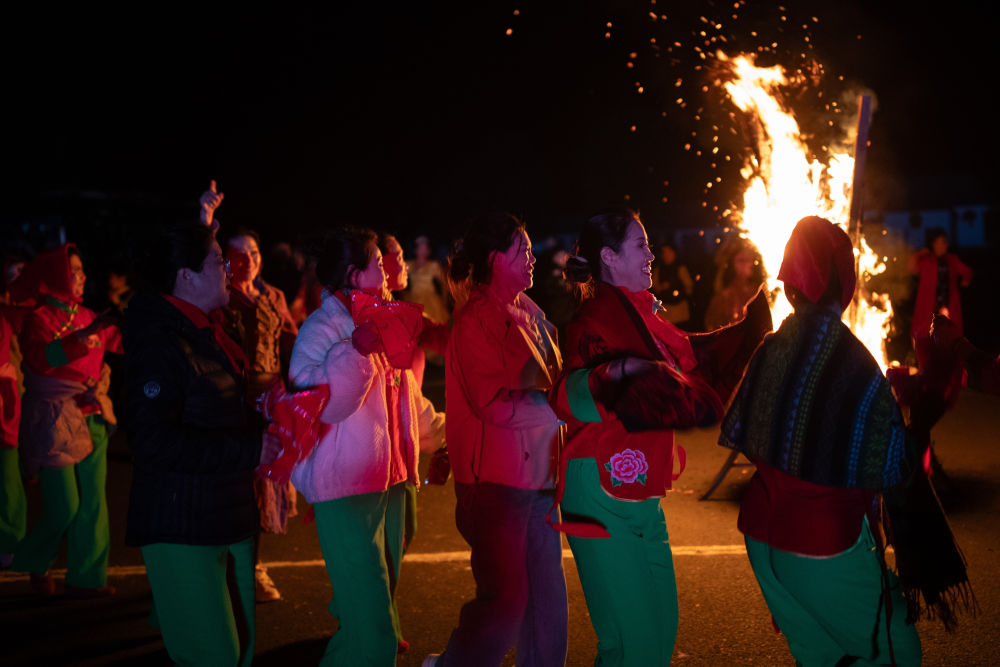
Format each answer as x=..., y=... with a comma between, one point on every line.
x=816, y=245
x=49, y=274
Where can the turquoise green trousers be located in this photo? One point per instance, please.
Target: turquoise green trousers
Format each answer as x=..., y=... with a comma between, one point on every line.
x=628, y=579
x=13, y=504
x=74, y=505
x=194, y=609
x=831, y=610
x=361, y=537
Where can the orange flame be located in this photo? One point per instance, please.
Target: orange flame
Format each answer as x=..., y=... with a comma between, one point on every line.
x=784, y=185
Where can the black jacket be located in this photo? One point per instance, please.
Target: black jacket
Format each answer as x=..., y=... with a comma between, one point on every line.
x=194, y=444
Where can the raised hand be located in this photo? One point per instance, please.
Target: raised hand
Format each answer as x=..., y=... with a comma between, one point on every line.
x=210, y=200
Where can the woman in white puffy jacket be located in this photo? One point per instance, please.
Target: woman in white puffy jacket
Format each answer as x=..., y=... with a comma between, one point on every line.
x=355, y=477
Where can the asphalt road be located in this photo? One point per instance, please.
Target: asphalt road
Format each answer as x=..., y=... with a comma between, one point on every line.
x=723, y=618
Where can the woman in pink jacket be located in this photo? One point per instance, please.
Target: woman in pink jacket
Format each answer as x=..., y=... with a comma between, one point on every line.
x=502, y=359
x=355, y=476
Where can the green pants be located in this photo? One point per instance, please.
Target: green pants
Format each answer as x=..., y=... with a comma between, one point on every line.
x=410, y=521
x=832, y=608
x=193, y=606
x=361, y=537
x=13, y=504
x=628, y=579
x=74, y=504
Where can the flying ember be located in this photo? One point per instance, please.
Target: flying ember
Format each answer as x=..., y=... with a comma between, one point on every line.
x=784, y=185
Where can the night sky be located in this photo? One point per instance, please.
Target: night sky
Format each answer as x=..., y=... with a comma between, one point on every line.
x=415, y=117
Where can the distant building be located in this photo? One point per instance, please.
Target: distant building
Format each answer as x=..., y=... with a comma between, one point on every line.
x=966, y=226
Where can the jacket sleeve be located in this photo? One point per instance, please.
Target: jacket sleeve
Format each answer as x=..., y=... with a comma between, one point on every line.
x=159, y=436
x=963, y=270
x=587, y=385
x=481, y=364
x=430, y=422
x=42, y=351
x=324, y=354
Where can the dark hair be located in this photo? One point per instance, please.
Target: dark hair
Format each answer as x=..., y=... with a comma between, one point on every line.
x=383, y=242
x=243, y=231
x=932, y=235
x=726, y=260
x=346, y=251
x=470, y=257
x=178, y=246
x=606, y=229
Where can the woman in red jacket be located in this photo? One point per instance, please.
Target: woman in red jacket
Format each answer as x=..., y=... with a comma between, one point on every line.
x=941, y=273
x=64, y=424
x=502, y=358
x=631, y=377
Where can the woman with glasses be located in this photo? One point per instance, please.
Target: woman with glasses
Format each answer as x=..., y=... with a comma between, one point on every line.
x=194, y=450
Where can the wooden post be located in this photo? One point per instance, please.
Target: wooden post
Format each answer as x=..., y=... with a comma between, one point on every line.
x=860, y=156
x=857, y=192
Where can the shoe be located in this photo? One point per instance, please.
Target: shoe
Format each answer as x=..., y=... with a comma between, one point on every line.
x=431, y=660
x=266, y=591
x=402, y=647
x=81, y=592
x=43, y=584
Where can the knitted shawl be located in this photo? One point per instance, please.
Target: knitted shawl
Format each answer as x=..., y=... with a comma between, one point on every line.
x=815, y=404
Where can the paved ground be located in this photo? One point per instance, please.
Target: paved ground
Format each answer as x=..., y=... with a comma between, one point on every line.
x=723, y=617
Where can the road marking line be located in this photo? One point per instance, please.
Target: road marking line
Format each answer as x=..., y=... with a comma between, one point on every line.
x=437, y=557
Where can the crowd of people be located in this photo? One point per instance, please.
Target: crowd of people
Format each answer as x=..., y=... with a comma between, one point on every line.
x=240, y=395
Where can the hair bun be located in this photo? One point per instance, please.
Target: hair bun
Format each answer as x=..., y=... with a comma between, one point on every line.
x=578, y=269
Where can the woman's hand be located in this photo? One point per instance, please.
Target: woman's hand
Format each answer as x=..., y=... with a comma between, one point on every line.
x=209, y=201
x=89, y=333
x=629, y=367
x=366, y=340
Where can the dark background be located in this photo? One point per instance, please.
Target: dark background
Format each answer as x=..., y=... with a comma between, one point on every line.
x=413, y=117
x=416, y=116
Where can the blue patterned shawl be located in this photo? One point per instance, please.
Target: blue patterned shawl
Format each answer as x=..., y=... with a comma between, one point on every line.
x=815, y=404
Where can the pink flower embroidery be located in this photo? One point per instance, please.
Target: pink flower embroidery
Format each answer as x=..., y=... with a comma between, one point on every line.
x=627, y=466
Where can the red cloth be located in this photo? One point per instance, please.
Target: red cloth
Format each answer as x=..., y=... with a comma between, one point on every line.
x=295, y=422
x=800, y=517
x=47, y=340
x=603, y=332
x=815, y=245
x=215, y=320
x=48, y=273
x=611, y=326
x=399, y=323
x=925, y=264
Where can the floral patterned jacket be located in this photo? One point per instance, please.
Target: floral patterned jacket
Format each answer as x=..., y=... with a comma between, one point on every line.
x=627, y=425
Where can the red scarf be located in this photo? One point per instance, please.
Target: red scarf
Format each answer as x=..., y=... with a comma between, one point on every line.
x=399, y=323
x=677, y=346
x=213, y=320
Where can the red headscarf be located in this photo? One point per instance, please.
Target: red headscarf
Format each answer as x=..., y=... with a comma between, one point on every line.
x=49, y=274
x=816, y=245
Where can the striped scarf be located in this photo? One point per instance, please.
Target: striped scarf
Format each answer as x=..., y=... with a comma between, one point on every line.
x=815, y=404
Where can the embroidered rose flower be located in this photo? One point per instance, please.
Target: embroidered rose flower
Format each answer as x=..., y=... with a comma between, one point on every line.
x=627, y=466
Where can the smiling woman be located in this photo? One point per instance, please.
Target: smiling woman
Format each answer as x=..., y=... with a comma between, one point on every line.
x=631, y=378
x=194, y=450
